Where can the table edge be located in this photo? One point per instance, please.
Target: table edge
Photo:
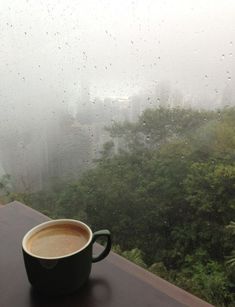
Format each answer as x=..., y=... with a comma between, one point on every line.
x=153, y=280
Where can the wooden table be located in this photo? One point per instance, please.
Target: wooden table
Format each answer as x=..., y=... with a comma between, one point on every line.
x=114, y=282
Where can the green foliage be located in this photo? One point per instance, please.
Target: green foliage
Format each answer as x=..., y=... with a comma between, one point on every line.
x=211, y=197
x=159, y=269
x=135, y=255
x=174, y=180
x=167, y=195
x=158, y=126
x=231, y=258
x=207, y=280
x=5, y=188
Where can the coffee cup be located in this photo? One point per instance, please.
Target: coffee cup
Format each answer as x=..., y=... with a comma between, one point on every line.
x=58, y=255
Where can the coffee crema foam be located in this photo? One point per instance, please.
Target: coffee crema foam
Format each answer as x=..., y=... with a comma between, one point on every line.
x=57, y=240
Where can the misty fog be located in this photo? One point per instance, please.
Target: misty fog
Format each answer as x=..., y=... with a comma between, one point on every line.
x=70, y=68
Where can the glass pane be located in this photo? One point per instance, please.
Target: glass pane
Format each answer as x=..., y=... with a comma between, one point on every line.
x=122, y=114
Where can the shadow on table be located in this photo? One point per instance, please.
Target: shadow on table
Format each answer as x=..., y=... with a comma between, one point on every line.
x=95, y=293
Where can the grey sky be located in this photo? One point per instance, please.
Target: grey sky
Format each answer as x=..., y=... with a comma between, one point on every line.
x=47, y=47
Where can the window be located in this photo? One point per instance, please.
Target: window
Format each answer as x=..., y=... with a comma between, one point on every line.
x=122, y=114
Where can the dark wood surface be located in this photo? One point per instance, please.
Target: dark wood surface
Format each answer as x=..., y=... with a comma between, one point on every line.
x=114, y=282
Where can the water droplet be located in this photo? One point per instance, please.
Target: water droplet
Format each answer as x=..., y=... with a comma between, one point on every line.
x=147, y=137
x=229, y=78
x=230, y=54
x=144, y=123
x=223, y=56
x=182, y=157
x=206, y=76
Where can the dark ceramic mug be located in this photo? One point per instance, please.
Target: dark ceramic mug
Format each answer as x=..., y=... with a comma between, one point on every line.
x=67, y=273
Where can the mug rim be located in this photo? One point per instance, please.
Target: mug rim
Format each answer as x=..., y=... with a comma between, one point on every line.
x=44, y=225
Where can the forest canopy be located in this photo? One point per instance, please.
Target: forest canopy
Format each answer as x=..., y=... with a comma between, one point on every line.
x=165, y=187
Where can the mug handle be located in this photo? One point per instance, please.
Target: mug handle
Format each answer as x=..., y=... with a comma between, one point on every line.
x=102, y=233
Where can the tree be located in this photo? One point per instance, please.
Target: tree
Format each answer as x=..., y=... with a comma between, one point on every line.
x=231, y=261
x=166, y=194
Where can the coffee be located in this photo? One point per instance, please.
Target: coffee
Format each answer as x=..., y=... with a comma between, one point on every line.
x=57, y=240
